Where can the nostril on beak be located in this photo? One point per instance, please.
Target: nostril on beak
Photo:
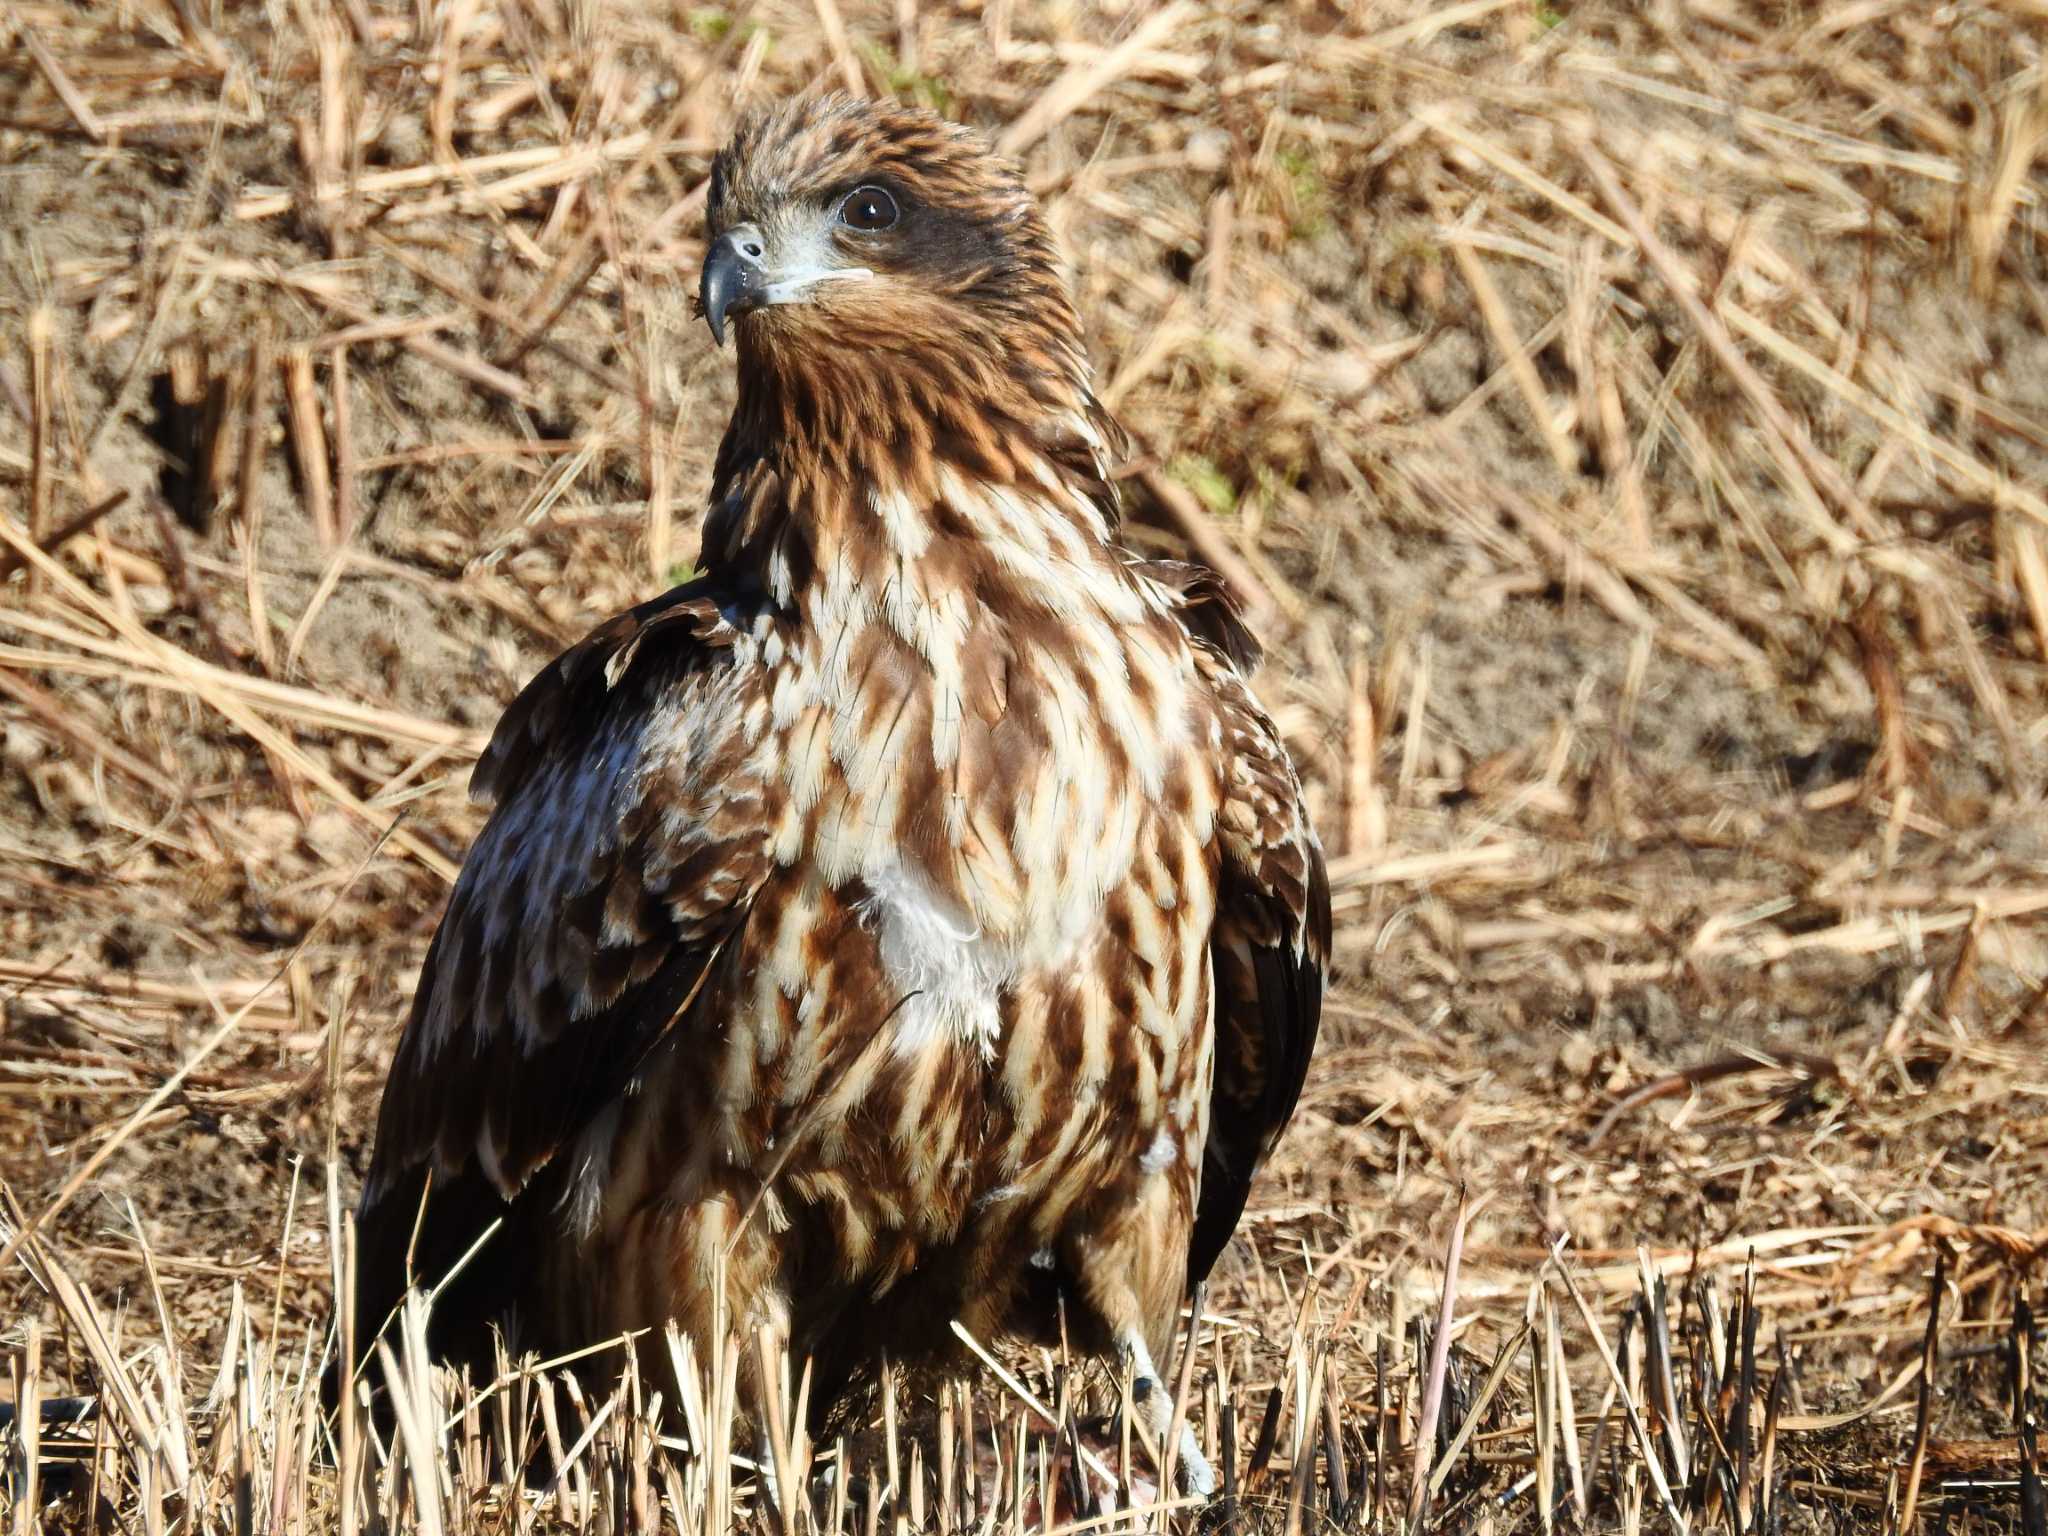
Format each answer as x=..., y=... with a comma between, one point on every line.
x=753, y=249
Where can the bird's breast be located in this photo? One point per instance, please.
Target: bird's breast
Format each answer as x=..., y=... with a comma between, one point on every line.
x=972, y=995
x=982, y=952
x=982, y=778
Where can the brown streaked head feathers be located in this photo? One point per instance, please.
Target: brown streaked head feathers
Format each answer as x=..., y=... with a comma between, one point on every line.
x=967, y=247
x=885, y=346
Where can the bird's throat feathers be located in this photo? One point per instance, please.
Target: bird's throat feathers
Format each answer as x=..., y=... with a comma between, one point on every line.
x=917, y=449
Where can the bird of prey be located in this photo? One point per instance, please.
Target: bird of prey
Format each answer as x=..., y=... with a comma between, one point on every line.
x=912, y=918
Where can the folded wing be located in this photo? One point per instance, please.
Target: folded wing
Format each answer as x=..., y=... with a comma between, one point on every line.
x=628, y=838
x=1270, y=950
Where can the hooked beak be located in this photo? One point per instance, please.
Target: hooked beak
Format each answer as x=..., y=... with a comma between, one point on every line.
x=738, y=277
x=734, y=279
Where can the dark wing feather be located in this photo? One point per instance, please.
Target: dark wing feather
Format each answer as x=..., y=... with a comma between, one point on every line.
x=1206, y=609
x=627, y=841
x=1270, y=950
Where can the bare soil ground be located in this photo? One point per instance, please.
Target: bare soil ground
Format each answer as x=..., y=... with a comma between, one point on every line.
x=1628, y=425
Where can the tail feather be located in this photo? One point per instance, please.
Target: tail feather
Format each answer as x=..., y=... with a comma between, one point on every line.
x=421, y=1233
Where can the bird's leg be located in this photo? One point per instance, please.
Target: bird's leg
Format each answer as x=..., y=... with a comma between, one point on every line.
x=1156, y=1402
x=764, y=1465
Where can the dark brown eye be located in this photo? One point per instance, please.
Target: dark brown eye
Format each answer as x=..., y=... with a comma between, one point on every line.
x=868, y=209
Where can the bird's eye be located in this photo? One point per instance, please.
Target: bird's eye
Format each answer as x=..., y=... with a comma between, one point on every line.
x=868, y=209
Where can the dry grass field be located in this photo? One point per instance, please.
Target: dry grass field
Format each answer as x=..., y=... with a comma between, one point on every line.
x=1628, y=425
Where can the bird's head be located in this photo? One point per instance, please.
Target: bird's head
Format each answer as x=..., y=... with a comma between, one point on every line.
x=849, y=236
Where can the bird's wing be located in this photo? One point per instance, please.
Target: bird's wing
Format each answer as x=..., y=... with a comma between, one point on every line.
x=628, y=838
x=1271, y=945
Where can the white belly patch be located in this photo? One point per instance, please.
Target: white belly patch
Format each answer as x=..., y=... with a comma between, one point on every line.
x=951, y=976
